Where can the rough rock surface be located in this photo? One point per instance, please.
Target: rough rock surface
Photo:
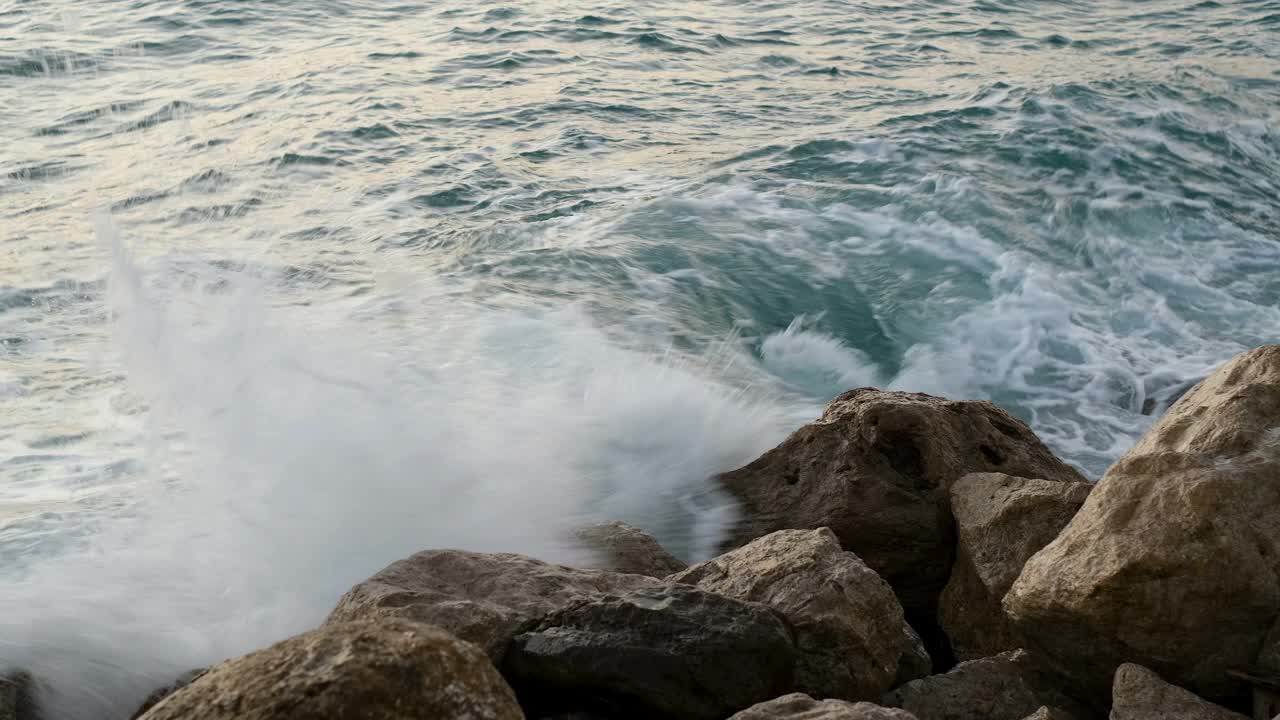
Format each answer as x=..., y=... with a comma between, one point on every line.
x=914, y=662
x=1139, y=694
x=1174, y=560
x=482, y=598
x=1009, y=686
x=672, y=652
x=1047, y=713
x=377, y=670
x=848, y=624
x=16, y=702
x=875, y=469
x=1001, y=521
x=799, y=706
x=626, y=549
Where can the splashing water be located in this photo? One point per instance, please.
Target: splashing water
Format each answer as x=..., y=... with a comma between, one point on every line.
x=291, y=461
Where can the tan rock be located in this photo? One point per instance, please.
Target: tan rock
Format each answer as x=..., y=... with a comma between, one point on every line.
x=1009, y=686
x=374, y=670
x=1139, y=694
x=1001, y=521
x=1174, y=560
x=480, y=597
x=619, y=547
x=875, y=468
x=848, y=624
x=799, y=706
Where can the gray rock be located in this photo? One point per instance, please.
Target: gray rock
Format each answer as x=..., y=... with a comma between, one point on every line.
x=626, y=549
x=673, y=652
x=1047, y=713
x=482, y=598
x=848, y=625
x=1139, y=694
x=914, y=661
x=374, y=670
x=1009, y=686
x=1001, y=521
x=1174, y=560
x=799, y=706
x=875, y=468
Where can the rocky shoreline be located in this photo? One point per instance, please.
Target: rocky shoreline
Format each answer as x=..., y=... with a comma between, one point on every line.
x=902, y=557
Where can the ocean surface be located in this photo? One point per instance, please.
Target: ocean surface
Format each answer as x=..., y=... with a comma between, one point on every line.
x=289, y=290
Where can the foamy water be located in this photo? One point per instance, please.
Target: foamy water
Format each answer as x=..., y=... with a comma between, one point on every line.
x=290, y=291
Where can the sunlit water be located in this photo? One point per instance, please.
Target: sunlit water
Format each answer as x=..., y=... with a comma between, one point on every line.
x=289, y=290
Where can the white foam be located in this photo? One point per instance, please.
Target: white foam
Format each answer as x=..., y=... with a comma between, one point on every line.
x=295, y=451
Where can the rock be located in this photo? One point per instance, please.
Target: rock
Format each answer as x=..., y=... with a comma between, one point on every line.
x=161, y=693
x=375, y=670
x=16, y=697
x=914, y=661
x=1009, y=686
x=1001, y=521
x=482, y=598
x=848, y=624
x=875, y=468
x=1046, y=713
x=671, y=652
x=799, y=706
x=1139, y=694
x=626, y=549
x=1174, y=560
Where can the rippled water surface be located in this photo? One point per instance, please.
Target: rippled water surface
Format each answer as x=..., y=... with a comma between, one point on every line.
x=290, y=289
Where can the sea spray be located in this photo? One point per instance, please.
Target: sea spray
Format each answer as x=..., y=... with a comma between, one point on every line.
x=291, y=459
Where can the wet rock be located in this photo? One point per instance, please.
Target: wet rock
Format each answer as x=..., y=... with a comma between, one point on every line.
x=668, y=652
x=875, y=468
x=480, y=597
x=1001, y=521
x=1139, y=694
x=626, y=549
x=376, y=670
x=17, y=701
x=848, y=625
x=161, y=693
x=1009, y=686
x=799, y=706
x=1174, y=560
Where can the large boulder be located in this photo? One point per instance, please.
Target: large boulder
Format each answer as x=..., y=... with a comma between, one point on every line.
x=1174, y=560
x=875, y=468
x=798, y=706
x=480, y=597
x=848, y=624
x=377, y=670
x=1009, y=686
x=619, y=547
x=671, y=652
x=1139, y=694
x=1001, y=521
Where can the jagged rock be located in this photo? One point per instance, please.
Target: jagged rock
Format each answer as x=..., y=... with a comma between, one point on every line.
x=848, y=625
x=1139, y=694
x=875, y=468
x=799, y=706
x=16, y=701
x=626, y=549
x=161, y=693
x=914, y=661
x=672, y=652
x=386, y=669
x=1009, y=686
x=1174, y=560
x=480, y=597
x=1001, y=521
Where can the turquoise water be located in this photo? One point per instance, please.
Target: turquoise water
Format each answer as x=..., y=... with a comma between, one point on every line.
x=288, y=290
